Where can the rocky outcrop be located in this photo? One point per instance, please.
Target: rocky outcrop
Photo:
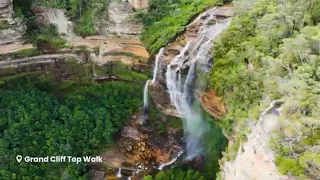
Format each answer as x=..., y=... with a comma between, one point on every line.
x=127, y=50
x=255, y=159
x=58, y=18
x=139, y=4
x=121, y=20
x=6, y=9
x=14, y=33
x=11, y=30
x=212, y=104
x=42, y=59
x=224, y=11
x=140, y=147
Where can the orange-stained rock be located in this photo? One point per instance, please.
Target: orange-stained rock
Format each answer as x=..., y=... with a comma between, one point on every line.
x=212, y=104
x=114, y=44
x=128, y=50
x=161, y=157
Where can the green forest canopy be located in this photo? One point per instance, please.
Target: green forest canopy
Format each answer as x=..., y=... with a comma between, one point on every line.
x=165, y=19
x=271, y=51
x=38, y=118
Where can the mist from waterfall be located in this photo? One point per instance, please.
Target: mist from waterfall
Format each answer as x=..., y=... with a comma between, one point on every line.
x=195, y=56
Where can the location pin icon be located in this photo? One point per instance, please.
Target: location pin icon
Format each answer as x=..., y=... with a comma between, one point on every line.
x=19, y=158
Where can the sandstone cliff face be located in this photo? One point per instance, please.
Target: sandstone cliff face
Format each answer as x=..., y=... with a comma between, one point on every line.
x=129, y=51
x=13, y=29
x=255, y=159
x=212, y=104
x=121, y=20
x=58, y=18
x=6, y=9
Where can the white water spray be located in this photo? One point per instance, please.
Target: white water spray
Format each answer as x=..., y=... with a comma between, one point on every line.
x=161, y=166
x=156, y=67
x=119, y=175
x=145, y=95
x=195, y=55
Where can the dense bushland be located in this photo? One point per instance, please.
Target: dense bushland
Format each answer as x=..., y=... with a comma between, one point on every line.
x=41, y=115
x=177, y=174
x=165, y=19
x=271, y=51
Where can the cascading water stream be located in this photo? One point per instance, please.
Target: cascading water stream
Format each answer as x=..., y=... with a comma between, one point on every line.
x=145, y=95
x=161, y=166
x=195, y=55
x=119, y=175
x=156, y=67
x=59, y=19
x=146, y=87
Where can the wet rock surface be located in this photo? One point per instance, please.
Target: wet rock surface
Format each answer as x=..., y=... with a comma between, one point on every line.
x=46, y=16
x=140, y=148
x=212, y=103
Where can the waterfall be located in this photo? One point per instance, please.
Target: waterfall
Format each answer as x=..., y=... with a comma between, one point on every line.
x=145, y=95
x=156, y=67
x=161, y=166
x=119, y=175
x=59, y=19
x=181, y=87
x=145, y=90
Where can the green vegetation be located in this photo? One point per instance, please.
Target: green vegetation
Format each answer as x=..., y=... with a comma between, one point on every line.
x=48, y=39
x=271, y=51
x=26, y=53
x=124, y=72
x=214, y=144
x=21, y=54
x=165, y=19
x=177, y=174
x=83, y=12
x=124, y=54
x=49, y=114
x=4, y=25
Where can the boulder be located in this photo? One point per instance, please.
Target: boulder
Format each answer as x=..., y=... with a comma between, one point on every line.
x=139, y=4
